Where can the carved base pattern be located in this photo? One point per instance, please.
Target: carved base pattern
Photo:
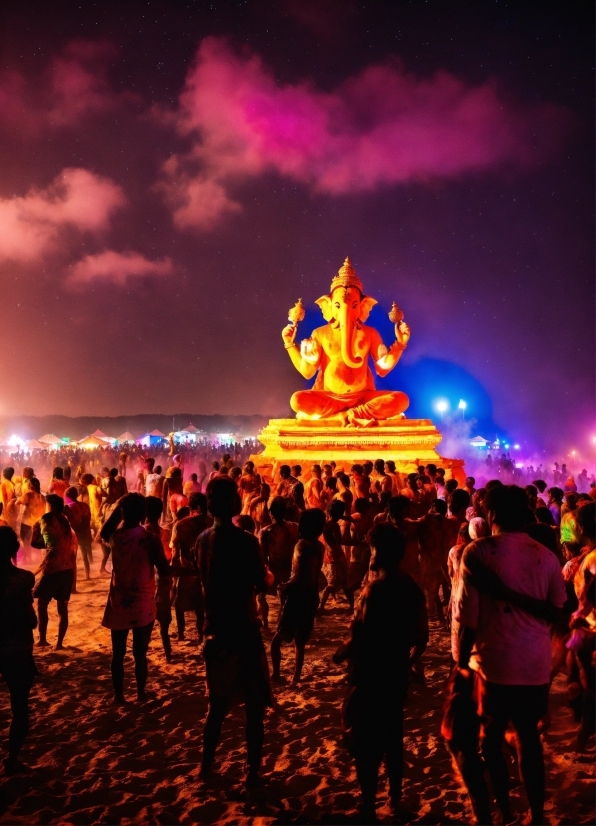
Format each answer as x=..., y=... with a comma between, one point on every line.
x=408, y=442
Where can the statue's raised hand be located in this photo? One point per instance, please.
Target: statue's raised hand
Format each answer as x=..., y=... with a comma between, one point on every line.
x=402, y=333
x=289, y=334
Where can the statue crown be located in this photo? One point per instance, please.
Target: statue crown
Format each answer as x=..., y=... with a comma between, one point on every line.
x=346, y=277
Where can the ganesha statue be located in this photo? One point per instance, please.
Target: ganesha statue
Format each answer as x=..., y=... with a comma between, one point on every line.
x=339, y=352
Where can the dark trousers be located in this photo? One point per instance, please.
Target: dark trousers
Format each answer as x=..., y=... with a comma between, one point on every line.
x=85, y=544
x=18, y=671
x=523, y=706
x=140, y=644
x=373, y=722
x=370, y=749
x=255, y=731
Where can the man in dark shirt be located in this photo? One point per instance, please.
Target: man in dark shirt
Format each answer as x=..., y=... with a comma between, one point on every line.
x=233, y=572
x=388, y=634
x=17, y=621
x=79, y=516
x=189, y=594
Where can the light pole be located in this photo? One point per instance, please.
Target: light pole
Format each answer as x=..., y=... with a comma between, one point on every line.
x=462, y=406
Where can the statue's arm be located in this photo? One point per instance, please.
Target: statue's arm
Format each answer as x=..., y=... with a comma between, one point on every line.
x=304, y=367
x=386, y=359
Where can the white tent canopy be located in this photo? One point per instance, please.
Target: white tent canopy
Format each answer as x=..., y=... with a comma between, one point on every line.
x=50, y=439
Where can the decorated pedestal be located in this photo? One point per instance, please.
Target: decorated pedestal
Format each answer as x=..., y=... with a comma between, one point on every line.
x=408, y=442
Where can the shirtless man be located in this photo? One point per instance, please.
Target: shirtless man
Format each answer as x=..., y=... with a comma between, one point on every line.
x=277, y=543
x=382, y=482
x=313, y=488
x=360, y=483
x=154, y=482
x=394, y=476
x=335, y=565
x=344, y=494
x=249, y=485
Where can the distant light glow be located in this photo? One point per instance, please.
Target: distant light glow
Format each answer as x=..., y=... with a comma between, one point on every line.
x=516, y=447
x=518, y=464
x=15, y=441
x=442, y=405
x=462, y=404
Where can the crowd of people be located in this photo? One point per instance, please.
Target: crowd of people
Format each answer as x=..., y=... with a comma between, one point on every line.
x=507, y=571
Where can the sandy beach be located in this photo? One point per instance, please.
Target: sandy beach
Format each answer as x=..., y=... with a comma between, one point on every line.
x=93, y=763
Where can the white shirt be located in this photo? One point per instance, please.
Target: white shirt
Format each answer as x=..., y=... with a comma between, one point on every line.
x=512, y=647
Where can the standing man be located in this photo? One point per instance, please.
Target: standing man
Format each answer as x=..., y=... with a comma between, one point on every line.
x=388, y=635
x=54, y=534
x=188, y=590
x=277, y=541
x=505, y=649
x=313, y=488
x=233, y=572
x=79, y=517
x=17, y=621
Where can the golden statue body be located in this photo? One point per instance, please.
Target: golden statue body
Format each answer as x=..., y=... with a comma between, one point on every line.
x=339, y=353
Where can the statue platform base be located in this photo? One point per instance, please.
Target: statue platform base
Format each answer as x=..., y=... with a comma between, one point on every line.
x=408, y=442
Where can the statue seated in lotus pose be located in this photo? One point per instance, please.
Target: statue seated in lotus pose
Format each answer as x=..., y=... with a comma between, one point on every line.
x=344, y=390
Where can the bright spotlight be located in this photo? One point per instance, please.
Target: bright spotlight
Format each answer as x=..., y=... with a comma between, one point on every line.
x=442, y=406
x=516, y=447
x=462, y=404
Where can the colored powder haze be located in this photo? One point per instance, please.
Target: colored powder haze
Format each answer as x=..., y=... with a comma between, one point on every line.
x=174, y=179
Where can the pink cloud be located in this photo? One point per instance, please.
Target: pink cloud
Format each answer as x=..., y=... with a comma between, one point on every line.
x=30, y=224
x=383, y=126
x=73, y=86
x=117, y=267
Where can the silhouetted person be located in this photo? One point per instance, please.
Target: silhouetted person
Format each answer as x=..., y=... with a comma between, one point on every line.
x=17, y=621
x=388, y=634
x=300, y=595
x=233, y=572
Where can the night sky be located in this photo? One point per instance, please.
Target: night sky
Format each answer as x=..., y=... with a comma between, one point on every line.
x=175, y=175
